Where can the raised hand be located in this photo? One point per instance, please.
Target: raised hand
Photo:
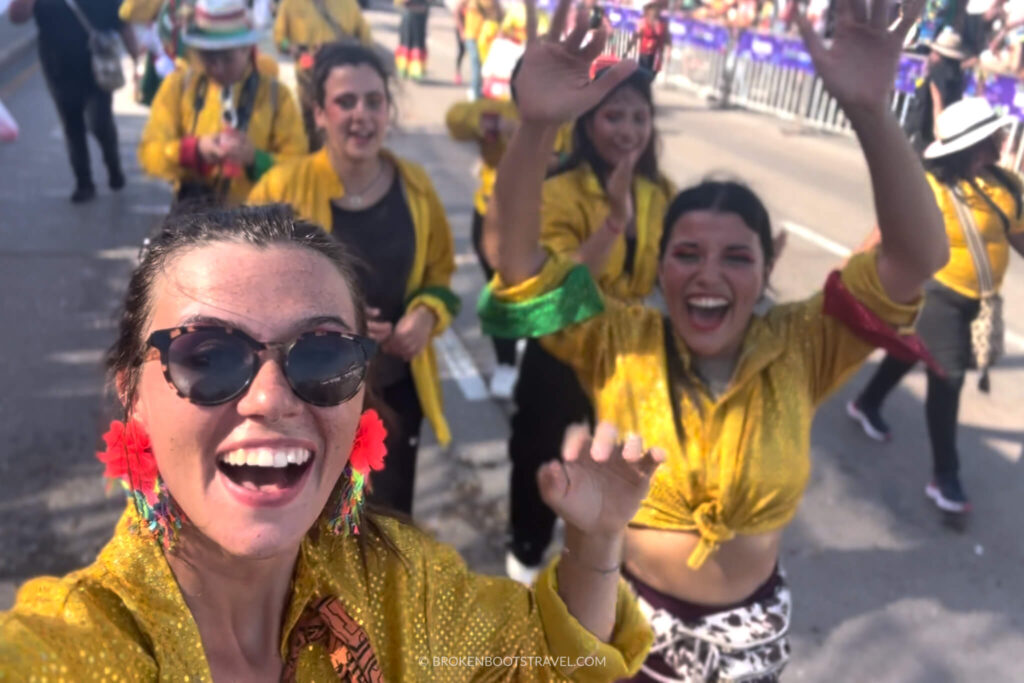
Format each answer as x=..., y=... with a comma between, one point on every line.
x=553, y=83
x=599, y=484
x=620, y=189
x=860, y=66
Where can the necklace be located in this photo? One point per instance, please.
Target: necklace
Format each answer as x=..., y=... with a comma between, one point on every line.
x=355, y=199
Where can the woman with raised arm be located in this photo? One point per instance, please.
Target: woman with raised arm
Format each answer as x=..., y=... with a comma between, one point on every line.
x=244, y=553
x=728, y=393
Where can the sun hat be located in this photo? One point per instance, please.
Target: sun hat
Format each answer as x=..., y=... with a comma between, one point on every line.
x=964, y=124
x=949, y=44
x=220, y=25
x=979, y=6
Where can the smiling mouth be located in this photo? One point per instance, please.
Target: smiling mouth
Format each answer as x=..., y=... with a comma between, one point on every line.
x=707, y=312
x=265, y=470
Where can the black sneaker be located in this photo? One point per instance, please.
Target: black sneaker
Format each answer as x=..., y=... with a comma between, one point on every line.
x=948, y=495
x=870, y=421
x=83, y=193
x=116, y=180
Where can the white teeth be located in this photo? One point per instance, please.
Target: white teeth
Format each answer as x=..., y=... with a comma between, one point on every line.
x=267, y=457
x=707, y=302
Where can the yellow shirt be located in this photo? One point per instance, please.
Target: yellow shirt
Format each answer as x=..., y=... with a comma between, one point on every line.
x=513, y=26
x=310, y=184
x=959, y=274
x=124, y=618
x=299, y=23
x=574, y=206
x=275, y=127
x=477, y=11
x=745, y=458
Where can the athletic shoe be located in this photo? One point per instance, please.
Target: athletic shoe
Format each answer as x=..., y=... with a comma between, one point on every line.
x=520, y=572
x=948, y=495
x=503, y=381
x=83, y=193
x=458, y=79
x=870, y=421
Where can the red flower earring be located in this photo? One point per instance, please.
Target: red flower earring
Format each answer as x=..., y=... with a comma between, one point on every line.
x=130, y=462
x=368, y=451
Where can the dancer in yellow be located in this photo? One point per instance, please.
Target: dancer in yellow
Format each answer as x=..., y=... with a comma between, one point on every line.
x=213, y=131
x=386, y=210
x=729, y=393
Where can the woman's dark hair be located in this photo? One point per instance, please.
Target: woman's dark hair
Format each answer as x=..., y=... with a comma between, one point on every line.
x=723, y=196
x=584, y=151
x=335, y=55
x=260, y=226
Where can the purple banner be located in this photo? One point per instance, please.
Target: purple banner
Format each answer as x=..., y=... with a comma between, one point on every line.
x=910, y=69
x=691, y=32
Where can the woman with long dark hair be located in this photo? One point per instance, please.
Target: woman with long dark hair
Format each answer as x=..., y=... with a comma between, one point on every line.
x=728, y=392
x=982, y=208
x=603, y=207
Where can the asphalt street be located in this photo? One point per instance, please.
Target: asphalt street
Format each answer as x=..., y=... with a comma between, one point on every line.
x=883, y=590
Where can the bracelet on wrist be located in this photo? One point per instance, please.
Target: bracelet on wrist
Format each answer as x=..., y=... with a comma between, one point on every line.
x=567, y=555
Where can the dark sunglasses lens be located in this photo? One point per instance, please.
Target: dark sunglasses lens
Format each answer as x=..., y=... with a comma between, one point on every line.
x=326, y=370
x=210, y=366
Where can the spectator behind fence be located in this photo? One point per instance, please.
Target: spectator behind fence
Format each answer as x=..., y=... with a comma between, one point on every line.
x=941, y=86
x=652, y=33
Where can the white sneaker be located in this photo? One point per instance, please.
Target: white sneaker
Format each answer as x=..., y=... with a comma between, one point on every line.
x=503, y=381
x=520, y=572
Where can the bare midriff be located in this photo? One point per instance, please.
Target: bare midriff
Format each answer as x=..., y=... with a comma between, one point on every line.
x=732, y=573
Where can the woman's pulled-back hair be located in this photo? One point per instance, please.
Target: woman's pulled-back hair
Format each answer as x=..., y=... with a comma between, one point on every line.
x=335, y=55
x=273, y=225
x=584, y=151
x=722, y=196
x=261, y=226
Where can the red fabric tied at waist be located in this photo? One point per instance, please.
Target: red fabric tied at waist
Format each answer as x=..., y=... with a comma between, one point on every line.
x=868, y=326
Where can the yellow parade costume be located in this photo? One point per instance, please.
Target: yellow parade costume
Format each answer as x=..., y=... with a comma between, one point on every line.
x=574, y=206
x=167, y=148
x=299, y=23
x=124, y=618
x=311, y=183
x=743, y=461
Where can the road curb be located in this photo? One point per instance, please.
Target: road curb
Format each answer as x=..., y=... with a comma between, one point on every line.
x=17, y=50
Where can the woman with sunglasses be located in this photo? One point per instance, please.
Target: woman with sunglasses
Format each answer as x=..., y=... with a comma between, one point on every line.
x=602, y=207
x=244, y=553
x=216, y=128
x=385, y=209
x=729, y=393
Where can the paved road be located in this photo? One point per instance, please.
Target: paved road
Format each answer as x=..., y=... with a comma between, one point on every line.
x=883, y=591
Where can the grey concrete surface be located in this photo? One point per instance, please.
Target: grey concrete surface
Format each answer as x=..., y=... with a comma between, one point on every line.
x=883, y=591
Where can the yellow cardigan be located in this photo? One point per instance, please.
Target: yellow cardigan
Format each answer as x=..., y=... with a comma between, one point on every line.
x=299, y=23
x=124, y=618
x=310, y=184
x=574, y=206
x=275, y=129
x=744, y=459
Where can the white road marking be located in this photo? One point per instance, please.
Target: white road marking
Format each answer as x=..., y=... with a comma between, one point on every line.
x=150, y=209
x=80, y=357
x=461, y=366
x=1014, y=340
x=1009, y=449
x=119, y=254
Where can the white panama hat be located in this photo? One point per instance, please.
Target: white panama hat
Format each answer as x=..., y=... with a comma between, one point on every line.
x=964, y=124
x=949, y=44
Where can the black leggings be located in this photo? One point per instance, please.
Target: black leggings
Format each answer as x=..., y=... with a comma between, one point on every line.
x=82, y=107
x=394, y=486
x=945, y=327
x=504, y=349
x=548, y=400
x=460, y=47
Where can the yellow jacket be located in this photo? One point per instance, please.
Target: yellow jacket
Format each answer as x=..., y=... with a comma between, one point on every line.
x=168, y=149
x=744, y=459
x=299, y=22
x=959, y=274
x=574, y=206
x=513, y=26
x=478, y=11
x=124, y=617
x=310, y=184
x=464, y=124
x=139, y=11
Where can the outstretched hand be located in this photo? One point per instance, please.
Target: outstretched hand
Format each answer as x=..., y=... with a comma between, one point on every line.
x=599, y=484
x=552, y=84
x=859, y=67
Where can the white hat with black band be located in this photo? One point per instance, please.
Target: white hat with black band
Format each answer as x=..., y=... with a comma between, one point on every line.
x=964, y=124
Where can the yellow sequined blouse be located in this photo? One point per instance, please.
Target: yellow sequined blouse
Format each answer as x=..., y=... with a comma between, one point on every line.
x=124, y=619
x=574, y=206
x=744, y=460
